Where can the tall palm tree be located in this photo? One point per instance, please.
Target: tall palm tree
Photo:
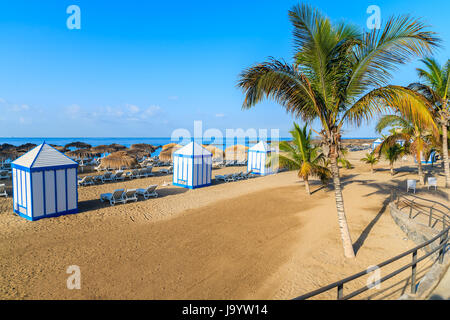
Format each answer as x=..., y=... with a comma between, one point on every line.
x=392, y=153
x=435, y=89
x=302, y=155
x=339, y=76
x=371, y=159
x=417, y=139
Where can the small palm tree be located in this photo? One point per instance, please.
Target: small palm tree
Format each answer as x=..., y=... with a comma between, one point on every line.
x=416, y=138
x=435, y=90
x=340, y=75
x=371, y=159
x=303, y=156
x=392, y=153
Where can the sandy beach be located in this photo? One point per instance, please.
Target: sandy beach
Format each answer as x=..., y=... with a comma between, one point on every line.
x=261, y=238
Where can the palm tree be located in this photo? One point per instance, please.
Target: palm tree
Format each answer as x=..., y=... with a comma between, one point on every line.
x=436, y=90
x=371, y=159
x=417, y=140
x=340, y=76
x=392, y=153
x=302, y=155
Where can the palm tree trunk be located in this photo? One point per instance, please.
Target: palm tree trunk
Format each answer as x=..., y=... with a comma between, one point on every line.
x=419, y=165
x=445, y=155
x=392, y=168
x=307, y=186
x=342, y=220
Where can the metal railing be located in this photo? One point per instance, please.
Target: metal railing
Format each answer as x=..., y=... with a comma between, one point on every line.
x=417, y=207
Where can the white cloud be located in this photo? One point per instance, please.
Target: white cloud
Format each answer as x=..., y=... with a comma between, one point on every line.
x=133, y=109
x=23, y=120
x=173, y=98
x=73, y=111
x=151, y=111
x=220, y=115
x=19, y=107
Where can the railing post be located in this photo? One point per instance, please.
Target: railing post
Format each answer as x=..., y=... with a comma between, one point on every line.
x=431, y=216
x=410, y=212
x=444, y=239
x=413, y=272
x=340, y=292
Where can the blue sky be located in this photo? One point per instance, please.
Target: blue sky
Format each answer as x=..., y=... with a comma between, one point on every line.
x=145, y=68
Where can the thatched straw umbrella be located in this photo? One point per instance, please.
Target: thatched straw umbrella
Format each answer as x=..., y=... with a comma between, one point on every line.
x=78, y=145
x=101, y=149
x=80, y=153
x=117, y=147
x=7, y=146
x=8, y=153
x=236, y=152
x=117, y=160
x=137, y=153
x=217, y=153
x=144, y=147
x=59, y=148
x=26, y=147
x=167, y=151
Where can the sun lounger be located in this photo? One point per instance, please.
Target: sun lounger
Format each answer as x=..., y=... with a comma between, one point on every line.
x=230, y=163
x=149, y=192
x=220, y=177
x=97, y=179
x=432, y=182
x=85, y=181
x=141, y=173
x=118, y=196
x=133, y=174
x=107, y=177
x=166, y=171
x=3, y=192
x=147, y=172
x=130, y=195
x=5, y=175
x=99, y=168
x=118, y=176
x=411, y=184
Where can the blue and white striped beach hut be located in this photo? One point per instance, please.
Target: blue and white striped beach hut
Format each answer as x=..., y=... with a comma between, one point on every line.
x=431, y=159
x=44, y=184
x=376, y=143
x=192, y=166
x=257, y=158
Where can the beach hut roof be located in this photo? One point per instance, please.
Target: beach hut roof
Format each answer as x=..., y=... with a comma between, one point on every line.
x=378, y=140
x=193, y=149
x=260, y=146
x=43, y=156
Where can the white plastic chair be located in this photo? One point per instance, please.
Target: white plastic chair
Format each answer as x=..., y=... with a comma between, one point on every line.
x=411, y=184
x=3, y=190
x=432, y=182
